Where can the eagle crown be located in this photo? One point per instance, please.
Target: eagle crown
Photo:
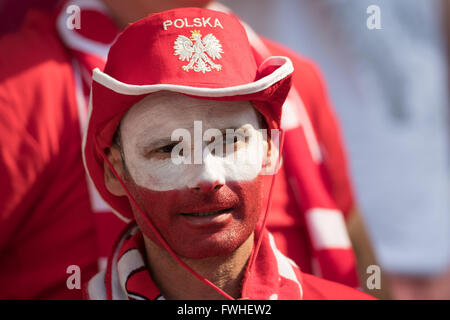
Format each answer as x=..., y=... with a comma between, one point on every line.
x=195, y=34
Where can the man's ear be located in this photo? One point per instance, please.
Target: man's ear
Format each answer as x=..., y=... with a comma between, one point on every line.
x=271, y=156
x=112, y=183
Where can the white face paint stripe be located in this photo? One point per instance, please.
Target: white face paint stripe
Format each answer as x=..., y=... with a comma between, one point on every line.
x=164, y=174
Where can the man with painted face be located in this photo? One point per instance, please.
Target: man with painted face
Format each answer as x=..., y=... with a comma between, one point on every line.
x=194, y=206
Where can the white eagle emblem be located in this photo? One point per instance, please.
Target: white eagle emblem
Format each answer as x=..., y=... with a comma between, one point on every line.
x=197, y=50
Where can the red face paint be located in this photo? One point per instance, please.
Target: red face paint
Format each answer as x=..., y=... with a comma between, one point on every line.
x=190, y=236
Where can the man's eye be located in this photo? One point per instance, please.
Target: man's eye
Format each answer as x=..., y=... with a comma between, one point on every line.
x=166, y=149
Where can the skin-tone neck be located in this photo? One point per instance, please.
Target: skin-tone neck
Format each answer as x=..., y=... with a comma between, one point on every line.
x=226, y=272
x=125, y=12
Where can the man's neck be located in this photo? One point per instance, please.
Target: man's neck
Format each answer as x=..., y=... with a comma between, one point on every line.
x=177, y=283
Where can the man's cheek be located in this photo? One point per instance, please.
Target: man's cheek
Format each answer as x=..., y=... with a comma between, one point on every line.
x=155, y=208
x=250, y=194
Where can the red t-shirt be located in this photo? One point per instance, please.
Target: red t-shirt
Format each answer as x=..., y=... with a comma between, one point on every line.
x=46, y=222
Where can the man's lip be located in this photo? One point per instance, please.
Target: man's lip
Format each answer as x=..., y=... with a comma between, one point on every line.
x=208, y=219
x=206, y=212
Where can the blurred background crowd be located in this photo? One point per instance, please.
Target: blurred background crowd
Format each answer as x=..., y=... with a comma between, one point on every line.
x=390, y=89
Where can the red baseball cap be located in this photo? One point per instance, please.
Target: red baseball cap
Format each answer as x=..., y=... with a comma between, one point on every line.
x=198, y=52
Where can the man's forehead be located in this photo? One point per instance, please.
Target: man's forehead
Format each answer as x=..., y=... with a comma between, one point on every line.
x=162, y=112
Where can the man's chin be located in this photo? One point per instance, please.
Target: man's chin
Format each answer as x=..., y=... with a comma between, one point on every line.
x=216, y=245
x=205, y=252
x=219, y=246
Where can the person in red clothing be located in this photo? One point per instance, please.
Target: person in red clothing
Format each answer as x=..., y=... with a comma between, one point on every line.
x=41, y=106
x=309, y=112
x=177, y=148
x=46, y=220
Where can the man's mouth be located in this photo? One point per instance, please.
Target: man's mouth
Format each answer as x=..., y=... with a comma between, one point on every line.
x=207, y=213
x=208, y=219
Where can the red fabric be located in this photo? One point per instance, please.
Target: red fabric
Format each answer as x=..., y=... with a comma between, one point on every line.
x=46, y=223
x=287, y=224
x=107, y=224
x=108, y=227
x=13, y=12
x=312, y=196
x=320, y=289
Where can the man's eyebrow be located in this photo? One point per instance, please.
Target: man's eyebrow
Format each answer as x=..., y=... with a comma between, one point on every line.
x=149, y=145
x=223, y=131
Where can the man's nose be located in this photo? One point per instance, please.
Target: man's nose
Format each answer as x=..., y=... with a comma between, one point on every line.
x=207, y=186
